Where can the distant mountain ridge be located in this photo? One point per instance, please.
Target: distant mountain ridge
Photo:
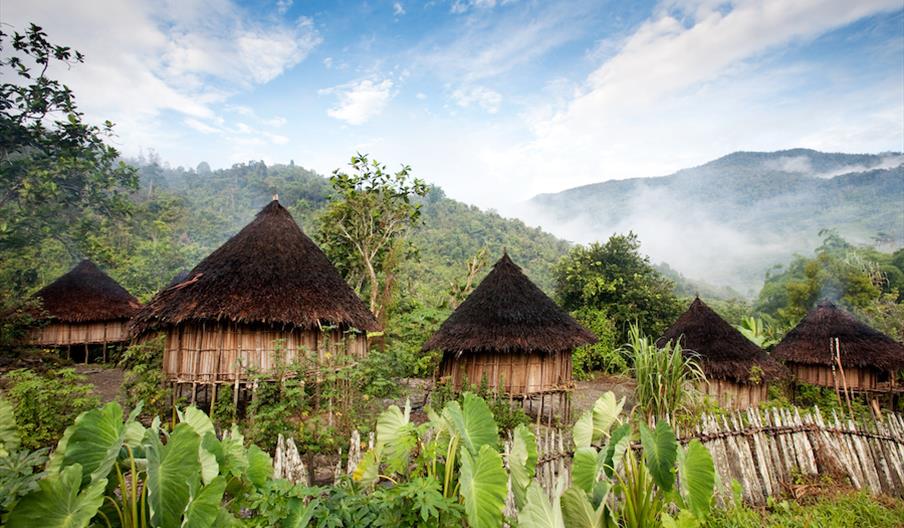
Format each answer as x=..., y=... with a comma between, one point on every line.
x=728, y=220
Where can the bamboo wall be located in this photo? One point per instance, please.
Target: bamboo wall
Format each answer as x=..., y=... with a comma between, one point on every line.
x=214, y=353
x=731, y=395
x=856, y=378
x=510, y=373
x=63, y=334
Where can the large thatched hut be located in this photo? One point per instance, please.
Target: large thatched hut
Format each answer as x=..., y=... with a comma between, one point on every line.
x=84, y=307
x=511, y=333
x=267, y=297
x=737, y=370
x=831, y=348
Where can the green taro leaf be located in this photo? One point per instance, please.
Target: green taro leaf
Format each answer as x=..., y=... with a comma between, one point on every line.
x=9, y=434
x=396, y=437
x=606, y=411
x=660, y=450
x=614, y=451
x=698, y=478
x=538, y=512
x=473, y=422
x=204, y=508
x=198, y=420
x=173, y=471
x=300, y=514
x=368, y=469
x=585, y=468
x=260, y=466
x=578, y=512
x=484, y=486
x=58, y=504
x=93, y=442
x=522, y=462
x=582, y=433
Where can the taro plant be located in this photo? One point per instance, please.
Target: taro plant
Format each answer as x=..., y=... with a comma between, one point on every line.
x=19, y=468
x=116, y=472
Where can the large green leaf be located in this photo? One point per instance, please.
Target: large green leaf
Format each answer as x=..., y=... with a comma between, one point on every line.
x=473, y=422
x=538, y=512
x=260, y=466
x=660, y=450
x=484, y=485
x=207, y=451
x=606, y=411
x=578, y=512
x=198, y=420
x=368, y=469
x=9, y=434
x=300, y=514
x=614, y=450
x=582, y=432
x=58, y=504
x=585, y=468
x=204, y=508
x=173, y=470
x=93, y=442
x=522, y=462
x=396, y=437
x=698, y=478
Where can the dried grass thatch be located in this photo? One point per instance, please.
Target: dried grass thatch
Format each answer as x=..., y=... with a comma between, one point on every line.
x=85, y=294
x=269, y=273
x=507, y=313
x=724, y=353
x=861, y=346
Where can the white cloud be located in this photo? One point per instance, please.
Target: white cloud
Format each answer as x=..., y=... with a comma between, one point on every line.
x=145, y=59
x=486, y=98
x=282, y=6
x=360, y=101
x=398, y=9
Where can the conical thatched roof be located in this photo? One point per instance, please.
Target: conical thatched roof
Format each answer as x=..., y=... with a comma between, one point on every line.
x=87, y=294
x=508, y=313
x=724, y=353
x=269, y=273
x=861, y=346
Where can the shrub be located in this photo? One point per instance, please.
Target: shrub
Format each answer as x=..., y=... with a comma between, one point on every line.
x=144, y=380
x=602, y=356
x=44, y=404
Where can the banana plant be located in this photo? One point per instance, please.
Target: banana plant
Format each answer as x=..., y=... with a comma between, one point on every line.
x=458, y=448
x=119, y=473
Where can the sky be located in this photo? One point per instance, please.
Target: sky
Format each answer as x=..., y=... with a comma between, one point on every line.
x=493, y=100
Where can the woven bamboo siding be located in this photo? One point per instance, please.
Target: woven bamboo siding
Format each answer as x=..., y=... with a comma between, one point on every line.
x=510, y=373
x=856, y=378
x=62, y=334
x=731, y=395
x=208, y=353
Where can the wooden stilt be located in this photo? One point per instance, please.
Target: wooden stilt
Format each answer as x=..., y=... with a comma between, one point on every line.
x=86, y=353
x=194, y=391
x=213, y=399
x=235, y=399
x=540, y=411
x=105, y=352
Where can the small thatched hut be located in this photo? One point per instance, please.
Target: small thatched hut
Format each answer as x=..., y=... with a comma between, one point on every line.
x=84, y=307
x=737, y=370
x=266, y=297
x=510, y=332
x=831, y=348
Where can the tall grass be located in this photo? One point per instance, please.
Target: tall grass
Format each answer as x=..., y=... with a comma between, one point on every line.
x=666, y=377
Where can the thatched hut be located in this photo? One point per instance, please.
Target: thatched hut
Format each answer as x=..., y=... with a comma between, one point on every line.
x=84, y=307
x=831, y=348
x=510, y=332
x=267, y=297
x=737, y=370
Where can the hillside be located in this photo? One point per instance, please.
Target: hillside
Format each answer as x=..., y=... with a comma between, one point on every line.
x=728, y=220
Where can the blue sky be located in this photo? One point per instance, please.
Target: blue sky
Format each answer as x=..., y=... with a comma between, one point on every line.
x=493, y=100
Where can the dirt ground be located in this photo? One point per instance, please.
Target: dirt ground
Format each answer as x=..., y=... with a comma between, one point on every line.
x=587, y=392
x=106, y=381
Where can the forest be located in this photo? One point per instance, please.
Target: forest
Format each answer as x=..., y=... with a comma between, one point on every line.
x=150, y=457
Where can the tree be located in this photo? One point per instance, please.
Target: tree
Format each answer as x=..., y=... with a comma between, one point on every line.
x=369, y=214
x=58, y=177
x=615, y=277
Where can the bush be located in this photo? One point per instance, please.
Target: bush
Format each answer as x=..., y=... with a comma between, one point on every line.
x=602, y=356
x=837, y=511
x=46, y=404
x=144, y=379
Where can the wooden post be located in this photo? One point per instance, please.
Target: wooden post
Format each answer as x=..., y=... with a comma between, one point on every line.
x=847, y=396
x=213, y=399
x=86, y=353
x=540, y=411
x=194, y=392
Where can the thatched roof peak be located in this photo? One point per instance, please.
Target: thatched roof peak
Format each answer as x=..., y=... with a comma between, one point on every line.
x=724, y=353
x=507, y=313
x=269, y=273
x=85, y=294
x=808, y=343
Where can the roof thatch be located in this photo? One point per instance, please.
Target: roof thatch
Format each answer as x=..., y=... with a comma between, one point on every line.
x=269, y=273
x=724, y=353
x=508, y=313
x=87, y=294
x=861, y=346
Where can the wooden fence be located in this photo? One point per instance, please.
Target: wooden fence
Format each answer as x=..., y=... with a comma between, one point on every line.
x=766, y=451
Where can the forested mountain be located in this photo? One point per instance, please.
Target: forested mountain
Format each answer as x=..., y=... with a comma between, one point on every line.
x=727, y=221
